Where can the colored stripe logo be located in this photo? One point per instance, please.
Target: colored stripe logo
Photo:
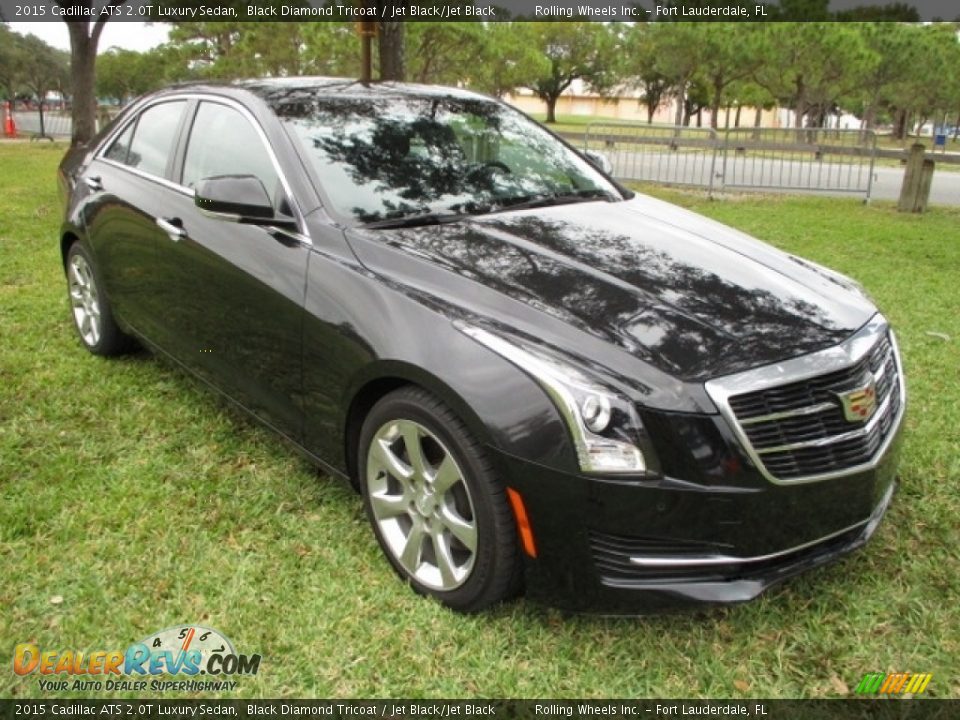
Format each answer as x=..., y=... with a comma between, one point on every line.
x=893, y=683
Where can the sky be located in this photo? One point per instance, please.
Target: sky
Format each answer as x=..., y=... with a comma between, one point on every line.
x=127, y=35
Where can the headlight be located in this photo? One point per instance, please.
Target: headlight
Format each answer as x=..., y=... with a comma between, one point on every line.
x=602, y=424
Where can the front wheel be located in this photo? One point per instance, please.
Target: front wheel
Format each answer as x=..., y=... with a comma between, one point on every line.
x=439, y=512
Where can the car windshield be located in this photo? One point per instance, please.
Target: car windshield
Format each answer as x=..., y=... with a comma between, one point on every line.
x=381, y=159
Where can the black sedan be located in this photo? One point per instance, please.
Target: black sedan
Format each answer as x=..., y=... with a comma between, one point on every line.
x=536, y=378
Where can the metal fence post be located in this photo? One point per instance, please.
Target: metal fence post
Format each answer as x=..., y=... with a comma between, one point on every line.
x=713, y=162
x=873, y=161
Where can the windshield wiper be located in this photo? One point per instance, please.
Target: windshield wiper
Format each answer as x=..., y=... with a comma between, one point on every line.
x=524, y=202
x=559, y=198
x=416, y=220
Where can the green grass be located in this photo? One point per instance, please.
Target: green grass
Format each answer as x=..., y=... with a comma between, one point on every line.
x=142, y=501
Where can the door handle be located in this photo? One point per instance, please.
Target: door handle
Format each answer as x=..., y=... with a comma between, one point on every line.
x=93, y=183
x=172, y=227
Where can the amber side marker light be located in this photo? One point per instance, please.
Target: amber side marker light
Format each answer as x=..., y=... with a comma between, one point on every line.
x=523, y=522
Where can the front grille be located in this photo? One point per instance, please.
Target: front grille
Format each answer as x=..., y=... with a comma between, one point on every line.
x=798, y=429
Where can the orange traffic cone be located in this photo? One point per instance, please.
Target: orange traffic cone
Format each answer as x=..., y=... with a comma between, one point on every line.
x=9, y=126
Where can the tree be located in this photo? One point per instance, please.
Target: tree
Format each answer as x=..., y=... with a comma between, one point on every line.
x=210, y=48
x=574, y=51
x=747, y=93
x=391, y=39
x=728, y=53
x=930, y=85
x=898, y=49
x=507, y=58
x=332, y=49
x=809, y=65
x=439, y=52
x=676, y=51
x=43, y=69
x=640, y=68
x=392, y=50
x=84, y=38
x=11, y=62
x=124, y=74
x=229, y=50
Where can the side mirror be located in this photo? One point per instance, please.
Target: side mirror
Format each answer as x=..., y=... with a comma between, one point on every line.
x=600, y=161
x=240, y=198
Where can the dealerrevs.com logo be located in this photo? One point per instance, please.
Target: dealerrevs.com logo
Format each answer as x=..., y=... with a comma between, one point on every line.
x=185, y=651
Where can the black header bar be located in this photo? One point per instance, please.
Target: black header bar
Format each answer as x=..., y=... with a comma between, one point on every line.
x=479, y=10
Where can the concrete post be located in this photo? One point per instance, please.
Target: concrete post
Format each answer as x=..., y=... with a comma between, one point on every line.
x=916, y=181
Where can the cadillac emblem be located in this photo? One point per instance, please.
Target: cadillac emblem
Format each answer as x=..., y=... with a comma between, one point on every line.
x=858, y=405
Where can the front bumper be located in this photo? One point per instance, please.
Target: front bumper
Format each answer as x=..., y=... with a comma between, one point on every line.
x=626, y=547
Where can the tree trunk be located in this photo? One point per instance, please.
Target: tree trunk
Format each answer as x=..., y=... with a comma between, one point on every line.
x=650, y=110
x=43, y=129
x=83, y=55
x=866, y=124
x=736, y=118
x=900, y=125
x=715, y=108
x=757, y=120
x=681, y=101
x=552, y=108
x=798, y=112
x=392, y=53
x=918, y=125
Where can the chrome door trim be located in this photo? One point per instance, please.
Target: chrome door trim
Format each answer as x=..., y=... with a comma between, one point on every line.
x=302, y=233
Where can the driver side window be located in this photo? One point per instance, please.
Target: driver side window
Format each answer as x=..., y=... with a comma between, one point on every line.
x=223, y=142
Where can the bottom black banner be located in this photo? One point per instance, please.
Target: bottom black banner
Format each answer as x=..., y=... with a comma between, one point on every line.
x=872, y=709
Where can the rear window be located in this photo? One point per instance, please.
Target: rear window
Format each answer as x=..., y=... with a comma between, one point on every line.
x=153, y=137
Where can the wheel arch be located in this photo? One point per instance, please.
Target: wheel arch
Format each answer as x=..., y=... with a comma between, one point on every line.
x=382, y=379
x=67, y=239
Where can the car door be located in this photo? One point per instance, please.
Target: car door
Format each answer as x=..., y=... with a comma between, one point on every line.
x=234, y=292
x=129, y=191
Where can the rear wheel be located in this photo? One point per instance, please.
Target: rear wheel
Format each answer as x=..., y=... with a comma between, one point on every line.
x=436, y=506
x=92, y=315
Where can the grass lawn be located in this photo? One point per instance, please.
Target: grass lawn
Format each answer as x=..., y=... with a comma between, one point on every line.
x=132, y=499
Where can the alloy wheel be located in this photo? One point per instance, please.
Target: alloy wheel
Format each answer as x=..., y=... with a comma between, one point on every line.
x=422, y=505
x=85, y=300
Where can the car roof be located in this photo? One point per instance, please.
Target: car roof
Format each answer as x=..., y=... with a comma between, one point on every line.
x=269, y=88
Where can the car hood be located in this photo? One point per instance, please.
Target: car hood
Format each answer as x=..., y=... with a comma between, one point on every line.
x=690, y=296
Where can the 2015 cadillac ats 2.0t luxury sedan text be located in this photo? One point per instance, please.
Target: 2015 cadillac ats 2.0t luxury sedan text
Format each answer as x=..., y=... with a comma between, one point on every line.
x=537, y=379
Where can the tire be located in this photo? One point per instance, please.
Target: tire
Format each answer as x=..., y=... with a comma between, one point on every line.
x=441, y=515
x=92, y=316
